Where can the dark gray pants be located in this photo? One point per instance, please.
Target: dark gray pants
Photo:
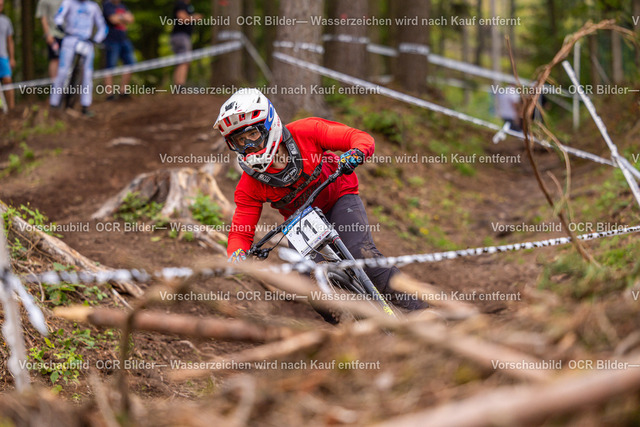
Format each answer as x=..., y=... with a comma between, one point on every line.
x=349, y=218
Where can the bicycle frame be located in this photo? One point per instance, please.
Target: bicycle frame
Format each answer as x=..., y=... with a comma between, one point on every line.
x=311, y=234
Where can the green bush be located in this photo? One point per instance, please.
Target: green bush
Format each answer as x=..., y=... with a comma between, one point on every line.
x=205, y=211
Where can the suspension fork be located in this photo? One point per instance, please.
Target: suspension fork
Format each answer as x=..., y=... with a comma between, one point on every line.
x=343, y=254
x=361, y=275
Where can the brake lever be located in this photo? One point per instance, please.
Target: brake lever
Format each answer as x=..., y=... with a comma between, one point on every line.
x=261, y=253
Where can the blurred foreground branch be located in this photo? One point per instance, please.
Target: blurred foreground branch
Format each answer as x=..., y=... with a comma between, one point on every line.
x=178, y=324
x=529, y=404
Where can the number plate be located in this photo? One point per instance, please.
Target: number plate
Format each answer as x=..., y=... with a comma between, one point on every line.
x=308, y=232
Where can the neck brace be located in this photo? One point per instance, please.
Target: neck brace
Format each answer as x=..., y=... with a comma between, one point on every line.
x=287, y=176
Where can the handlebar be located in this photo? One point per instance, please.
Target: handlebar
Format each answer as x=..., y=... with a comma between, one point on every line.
x=89, y=40
x=257, y=250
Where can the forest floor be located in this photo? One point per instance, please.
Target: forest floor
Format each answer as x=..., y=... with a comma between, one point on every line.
x=547, y=302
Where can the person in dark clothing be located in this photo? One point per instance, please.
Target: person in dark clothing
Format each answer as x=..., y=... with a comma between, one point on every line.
x=117, y=43
x=184, y=16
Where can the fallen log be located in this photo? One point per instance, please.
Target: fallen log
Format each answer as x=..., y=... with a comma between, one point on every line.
x=63, y=253
x=176, y=324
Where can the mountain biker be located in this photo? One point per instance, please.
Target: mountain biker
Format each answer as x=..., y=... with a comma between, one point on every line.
x=283, y=165
x=78, y=18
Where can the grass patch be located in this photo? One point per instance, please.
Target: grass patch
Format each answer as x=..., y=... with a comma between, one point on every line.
x=63, y=293
x=570, y=276
x=28, y=130
x=59, y=357
x=343, y=103
x=20, y=162
x=383, y=218
x=134, y=208
x=614, y=198
x=31, y=216
x=387, y=122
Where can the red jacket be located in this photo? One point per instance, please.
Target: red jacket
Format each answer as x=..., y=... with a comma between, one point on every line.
x=313, y=136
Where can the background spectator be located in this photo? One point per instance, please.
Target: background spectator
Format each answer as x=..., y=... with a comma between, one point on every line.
x=80, y=19
x=7, y=58
x=117, y=43
x=508, y=106
x=46, y=11
x=183, y=12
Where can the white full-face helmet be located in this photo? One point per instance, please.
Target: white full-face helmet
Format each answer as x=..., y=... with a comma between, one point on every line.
x=251, y=127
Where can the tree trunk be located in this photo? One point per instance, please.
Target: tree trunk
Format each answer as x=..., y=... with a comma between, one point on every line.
x=441, y=30
x=593, y=55
x=410, y=70
x=349, y=57
x=176, y=188
x=292, y=82
x=249, y=65
x=635, y=7
x=495, y=41
x=512, y=28
x=226, y=69
x=466, y=58
x=271, y=8
x=379, y=65
x=480, y=35
x=28, y=12
x=551, y=13
x=617, y=72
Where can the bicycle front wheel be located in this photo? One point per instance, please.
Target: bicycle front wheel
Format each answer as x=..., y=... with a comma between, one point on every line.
x=352, y=281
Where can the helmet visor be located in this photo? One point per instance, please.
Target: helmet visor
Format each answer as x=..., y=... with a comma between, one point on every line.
x=249, y=138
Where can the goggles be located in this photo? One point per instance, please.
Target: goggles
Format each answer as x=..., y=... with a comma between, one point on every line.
x=248, y=137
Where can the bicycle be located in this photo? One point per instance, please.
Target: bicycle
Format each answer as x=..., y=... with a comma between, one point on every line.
x=73, y=80
x=311, y=234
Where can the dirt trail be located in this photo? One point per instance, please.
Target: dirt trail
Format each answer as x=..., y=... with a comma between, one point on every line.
x=71, y=185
